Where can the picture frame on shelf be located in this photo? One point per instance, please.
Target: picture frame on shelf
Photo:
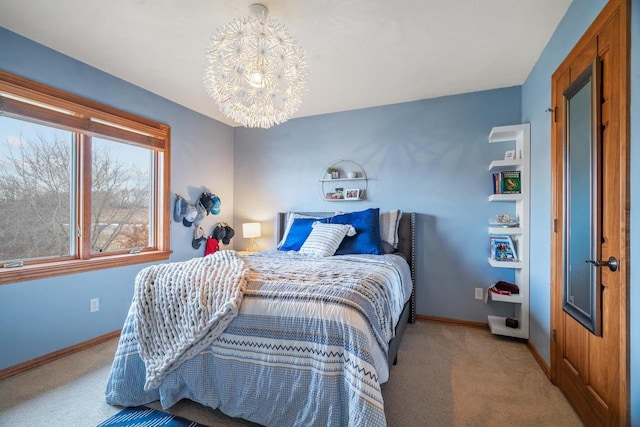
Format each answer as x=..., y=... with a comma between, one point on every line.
x=503, y=249
x=352, y=194
x=337, y=195
x=510, y=155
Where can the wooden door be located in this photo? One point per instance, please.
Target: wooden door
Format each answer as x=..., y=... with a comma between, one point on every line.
x=592, y=371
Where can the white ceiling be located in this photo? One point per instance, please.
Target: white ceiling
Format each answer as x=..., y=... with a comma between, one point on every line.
x=360, y=53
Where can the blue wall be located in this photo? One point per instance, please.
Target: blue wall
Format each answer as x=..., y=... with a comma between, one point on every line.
x=41, y=316
x=428, y=156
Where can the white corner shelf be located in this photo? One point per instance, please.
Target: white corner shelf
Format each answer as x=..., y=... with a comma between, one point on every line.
x=505, y=264
x=516, y=137
x=513, y=298
x=501, y=164
x=498, y=327
x=506, y=197
x=507, y=133
x=511, y=231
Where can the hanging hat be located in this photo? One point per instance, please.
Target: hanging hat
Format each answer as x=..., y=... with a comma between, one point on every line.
x=199, y=236
x=219, y=232
x=210, y=202
x=180, y=208
x=190, y=215
x=201, y=213
x=228, y=235
x=206, y=202
x=215, y=209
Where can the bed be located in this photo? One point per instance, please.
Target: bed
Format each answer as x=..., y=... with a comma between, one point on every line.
x=298, y=351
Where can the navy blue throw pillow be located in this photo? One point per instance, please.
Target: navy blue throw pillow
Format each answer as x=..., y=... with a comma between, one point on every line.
x=298, y=233
x=367, y=239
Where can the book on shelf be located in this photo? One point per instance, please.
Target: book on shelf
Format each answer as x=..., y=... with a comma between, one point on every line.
x=502, y=248
x=506, y=182
x=511, y=182
x=496, y=183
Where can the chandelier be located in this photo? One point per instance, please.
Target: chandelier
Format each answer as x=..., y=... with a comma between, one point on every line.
x=255, y=72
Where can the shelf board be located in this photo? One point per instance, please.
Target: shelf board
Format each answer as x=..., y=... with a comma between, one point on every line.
x=505, y=133
x=342, y=179
x=497, y=326
x=342, y=200
x=505, y=264
x=506, y=230
x=499, y=164
x=514, y=298
x=505, y=197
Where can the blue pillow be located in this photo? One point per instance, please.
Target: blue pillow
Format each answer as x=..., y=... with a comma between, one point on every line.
x=298, y=233
x=367, y=239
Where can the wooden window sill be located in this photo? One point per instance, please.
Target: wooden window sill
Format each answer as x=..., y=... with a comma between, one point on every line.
x=59, y=268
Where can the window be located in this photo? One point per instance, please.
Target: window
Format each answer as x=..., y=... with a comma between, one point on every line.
x=121, y=196
x=83, y=186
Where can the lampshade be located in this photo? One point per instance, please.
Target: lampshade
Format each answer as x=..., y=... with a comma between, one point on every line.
x=251, y=229
x=255, y=72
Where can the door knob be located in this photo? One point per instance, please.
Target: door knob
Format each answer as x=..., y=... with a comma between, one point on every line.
x=612, y=263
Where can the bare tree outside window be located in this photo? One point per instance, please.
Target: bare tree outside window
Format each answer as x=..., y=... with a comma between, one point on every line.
x=37, y=192
x=120, y=196
x=35, y=177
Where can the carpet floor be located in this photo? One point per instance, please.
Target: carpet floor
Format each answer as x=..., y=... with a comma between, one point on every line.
x=447, y=375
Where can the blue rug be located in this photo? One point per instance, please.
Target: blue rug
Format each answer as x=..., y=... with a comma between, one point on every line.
x=143, y=416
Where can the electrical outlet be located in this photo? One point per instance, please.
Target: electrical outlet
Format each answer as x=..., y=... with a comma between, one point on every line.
x=479, y=293
x=94, y=304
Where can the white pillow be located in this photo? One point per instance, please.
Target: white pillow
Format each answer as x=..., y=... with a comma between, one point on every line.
x=325, y=239
x=389, y=222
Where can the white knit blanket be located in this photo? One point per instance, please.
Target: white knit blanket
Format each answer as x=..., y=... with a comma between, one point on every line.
x=181, y=307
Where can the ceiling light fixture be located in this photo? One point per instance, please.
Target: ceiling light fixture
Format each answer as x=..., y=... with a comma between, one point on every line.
x=255, y=72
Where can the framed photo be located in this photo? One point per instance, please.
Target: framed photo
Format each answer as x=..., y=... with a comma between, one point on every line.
x=510, y=154
x=337, y=194
x=352, y=194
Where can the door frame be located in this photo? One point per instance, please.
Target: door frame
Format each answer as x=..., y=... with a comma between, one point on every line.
x=623, y=7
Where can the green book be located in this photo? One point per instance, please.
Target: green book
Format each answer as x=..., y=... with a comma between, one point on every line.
x=510, y=182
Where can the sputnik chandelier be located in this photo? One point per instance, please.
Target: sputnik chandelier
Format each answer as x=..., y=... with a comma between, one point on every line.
x=255, y=72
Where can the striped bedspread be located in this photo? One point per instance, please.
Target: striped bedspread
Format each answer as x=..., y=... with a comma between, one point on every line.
x=308, y=346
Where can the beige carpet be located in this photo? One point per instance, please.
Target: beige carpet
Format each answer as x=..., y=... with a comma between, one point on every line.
x=447, y=375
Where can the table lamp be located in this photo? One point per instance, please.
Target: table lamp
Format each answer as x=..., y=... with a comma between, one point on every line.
x=251, y=230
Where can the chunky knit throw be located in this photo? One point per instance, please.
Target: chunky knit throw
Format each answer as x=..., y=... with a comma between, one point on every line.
x=181, y=307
